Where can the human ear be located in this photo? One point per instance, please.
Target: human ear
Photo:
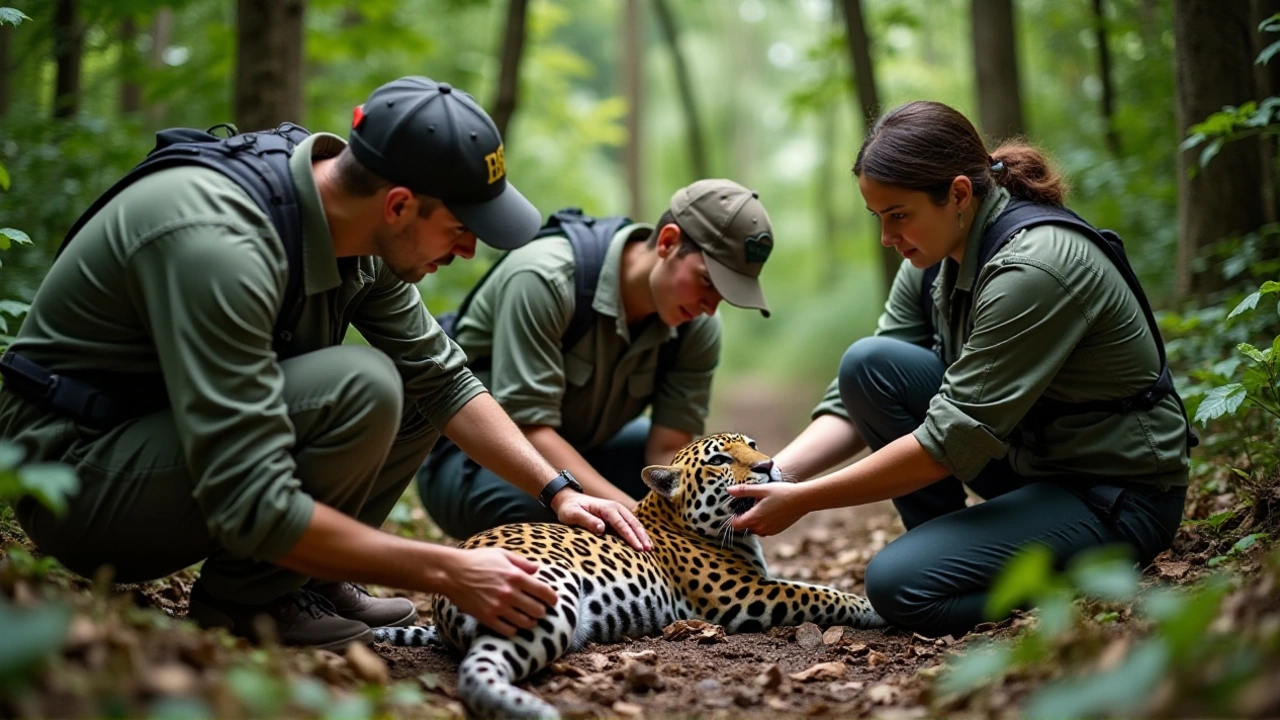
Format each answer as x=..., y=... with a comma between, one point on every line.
x=399, y=202
x=668, y=240
x=962, y=191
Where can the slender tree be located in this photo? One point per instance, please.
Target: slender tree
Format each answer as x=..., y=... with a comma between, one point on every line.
x=864, y=81
x=161, y=36
x=633, y=91
x=5, y=40
x=509, y=74
x=1104, y=73
x=68, y=47
x=130, y=90
x=268, y=89
x=1213, y=59
x=1267, y=78
x=995, y=60
x=692, y=118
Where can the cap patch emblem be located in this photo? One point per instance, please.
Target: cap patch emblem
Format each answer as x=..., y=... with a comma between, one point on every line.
x=357, y=116
x=758, y=247
x=497, y=165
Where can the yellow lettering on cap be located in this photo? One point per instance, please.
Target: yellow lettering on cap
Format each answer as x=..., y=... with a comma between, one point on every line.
x=497, y=165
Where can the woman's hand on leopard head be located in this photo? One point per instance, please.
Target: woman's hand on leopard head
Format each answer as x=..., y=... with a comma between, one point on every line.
x=595, y=514
x=777, y=507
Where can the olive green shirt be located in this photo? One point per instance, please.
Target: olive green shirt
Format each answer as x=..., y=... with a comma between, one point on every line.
x=179, y=279
x=609, y=377
x=1049, y=315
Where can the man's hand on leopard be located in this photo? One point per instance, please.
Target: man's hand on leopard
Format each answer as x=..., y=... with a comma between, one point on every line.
x=592, y=513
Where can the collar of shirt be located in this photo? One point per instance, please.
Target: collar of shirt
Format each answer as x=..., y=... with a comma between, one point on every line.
x=319, y=265
x=608, y=300
x=990, y=209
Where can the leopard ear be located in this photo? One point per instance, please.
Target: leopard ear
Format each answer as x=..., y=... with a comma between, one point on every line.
x=662, y=479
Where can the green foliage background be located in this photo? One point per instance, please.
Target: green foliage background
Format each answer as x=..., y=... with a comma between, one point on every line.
x=773, y=85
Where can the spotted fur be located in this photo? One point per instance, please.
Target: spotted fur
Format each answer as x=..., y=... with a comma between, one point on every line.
x=699, y=569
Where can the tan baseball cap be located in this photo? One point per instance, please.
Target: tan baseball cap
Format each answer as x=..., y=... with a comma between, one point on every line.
x=730, y=225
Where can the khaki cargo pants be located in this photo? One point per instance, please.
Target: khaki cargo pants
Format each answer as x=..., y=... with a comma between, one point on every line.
x=135, y=510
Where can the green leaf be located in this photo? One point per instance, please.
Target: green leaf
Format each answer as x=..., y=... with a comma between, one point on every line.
x=1184, y=628
x=4, y=178
x=14, y=308
x=1028, y=575
x=1268, y=287
x=1251, y=352
x=1267, y=53
x=1220, y=401
x=311, y=694
x=975, y=668
x=1106, y=618
x=30, y=635
x=1118, y=691
x=12, y=16
x=1109, y=576
x=351, y=707
x=1210, y=151
x=1250, y=302
x=1275, y=352
x=1215, y=521
x=179, y=708
x=50, y=483
x=10, y=455
x=1193, y=140
x=1057, y=614
x=11, y=234
x=1247, y=542
x=261, y=693
x=1271, y=24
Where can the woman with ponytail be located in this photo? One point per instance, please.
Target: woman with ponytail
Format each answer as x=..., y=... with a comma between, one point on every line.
x=1024, y=366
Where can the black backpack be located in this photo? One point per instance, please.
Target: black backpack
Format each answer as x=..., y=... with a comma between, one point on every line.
x=259, y=163
x=1023, y=214
x=589, y=237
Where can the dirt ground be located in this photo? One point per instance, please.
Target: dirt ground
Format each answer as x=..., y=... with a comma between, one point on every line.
x=122, y=658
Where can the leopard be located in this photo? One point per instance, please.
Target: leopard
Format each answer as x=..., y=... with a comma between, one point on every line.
x=700, y=568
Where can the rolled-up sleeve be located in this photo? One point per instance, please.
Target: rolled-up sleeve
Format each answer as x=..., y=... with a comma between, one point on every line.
x=684, y=390
x=528, y=365
x=1026, y=322
x=393, y=319
x=210, y=295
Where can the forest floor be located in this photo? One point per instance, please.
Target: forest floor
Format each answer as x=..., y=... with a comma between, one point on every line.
x=129, y=653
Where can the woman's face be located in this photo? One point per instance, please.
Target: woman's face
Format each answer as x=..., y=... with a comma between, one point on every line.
x=911, y=223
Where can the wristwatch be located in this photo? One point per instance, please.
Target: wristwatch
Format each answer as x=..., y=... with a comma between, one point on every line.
x=558, y=483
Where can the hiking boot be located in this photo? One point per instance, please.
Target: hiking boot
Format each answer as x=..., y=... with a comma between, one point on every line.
x=353, y=602
x=300, y=618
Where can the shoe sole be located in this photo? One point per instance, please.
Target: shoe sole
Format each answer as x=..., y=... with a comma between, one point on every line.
x=406, y=621
x=365, y=637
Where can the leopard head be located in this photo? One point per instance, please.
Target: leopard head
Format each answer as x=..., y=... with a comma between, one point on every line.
x=695, y=484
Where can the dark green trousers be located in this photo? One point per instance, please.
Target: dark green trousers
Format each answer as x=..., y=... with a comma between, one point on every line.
x=464, y=498
x=135, y=510
x=935, y=578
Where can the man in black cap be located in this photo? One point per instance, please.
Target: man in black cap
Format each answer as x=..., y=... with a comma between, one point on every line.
x=278, y=454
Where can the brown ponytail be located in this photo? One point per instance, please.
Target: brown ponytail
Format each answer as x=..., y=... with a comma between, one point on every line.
x=1028, y=174
x=925, y=145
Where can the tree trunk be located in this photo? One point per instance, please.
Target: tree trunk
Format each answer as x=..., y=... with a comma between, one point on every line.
x=864, y=78
x=268, y=63
x=633, y=91
x=5, y=39
x=68, y=46
x=1267, y=78
x=1213, y=61
x=509, y=75
x=995, y=60
x=161, y=36
x=1104, y=73
x=692, y=119
x=130, y=90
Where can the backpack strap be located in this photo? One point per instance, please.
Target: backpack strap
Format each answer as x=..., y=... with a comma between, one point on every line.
x=926, y=304
x=590, y=238
x=259, y=163
x=1022, y=214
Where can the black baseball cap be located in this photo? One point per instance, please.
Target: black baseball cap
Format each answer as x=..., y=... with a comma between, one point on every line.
x=436, y=140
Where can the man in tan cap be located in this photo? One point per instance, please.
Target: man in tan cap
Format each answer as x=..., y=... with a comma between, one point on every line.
x=652, y=341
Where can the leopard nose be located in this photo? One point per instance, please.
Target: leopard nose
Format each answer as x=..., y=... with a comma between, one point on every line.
x=763, y=467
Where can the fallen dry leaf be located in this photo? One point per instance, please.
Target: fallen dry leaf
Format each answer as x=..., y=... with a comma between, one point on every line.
x=368, y=666
x=822, y=671
x=646, y=656
x=883, y=694
x=597, y=661
x=849, y=686
x=770, y=678
x=1173, y=570
x=875, y=659
x=808, y=636
x=833, y=635
x=699, y=630
x=629, y=709
x=564, y=668
x=170, y=679
x=777, y=703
